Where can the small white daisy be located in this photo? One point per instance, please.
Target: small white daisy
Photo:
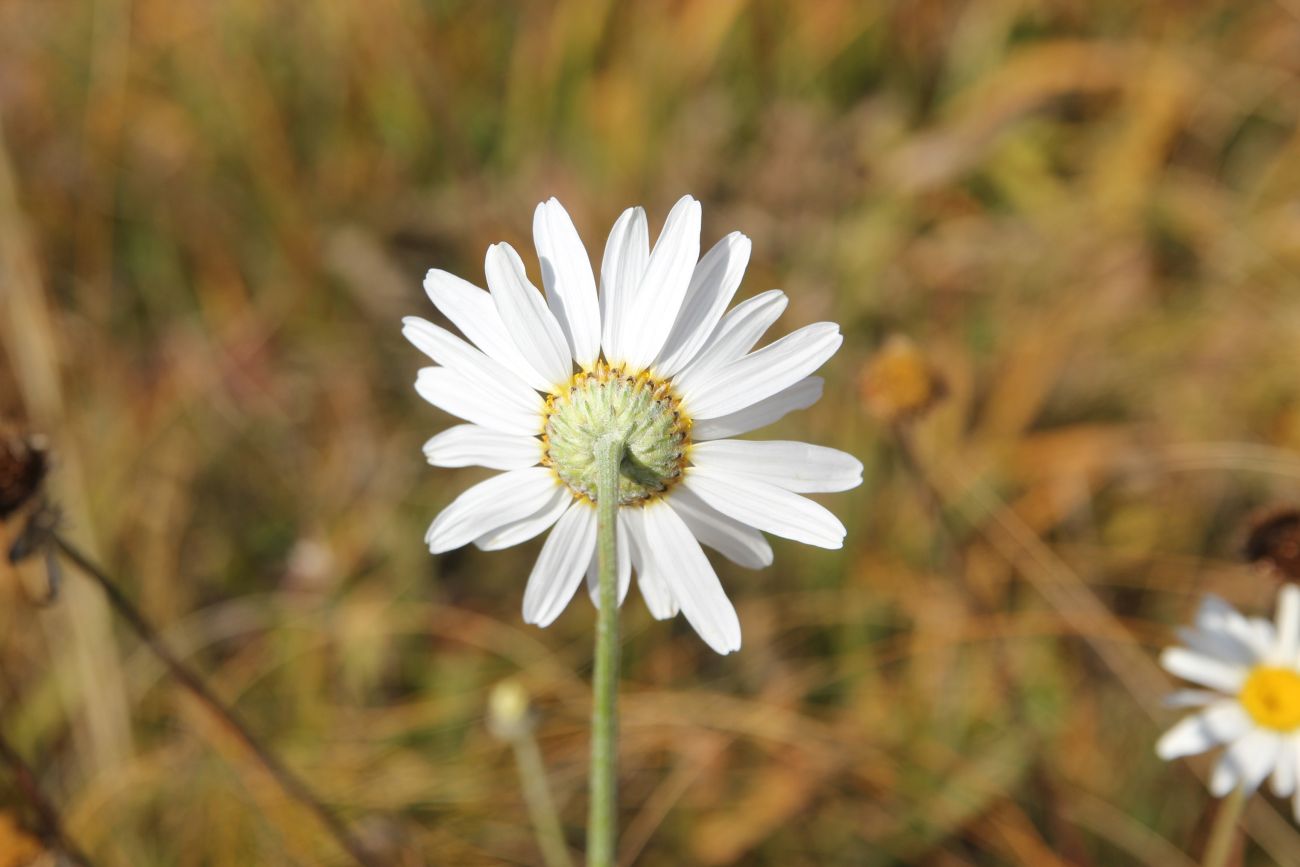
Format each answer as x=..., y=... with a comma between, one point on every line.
x=656, y=355
x=1250, y=669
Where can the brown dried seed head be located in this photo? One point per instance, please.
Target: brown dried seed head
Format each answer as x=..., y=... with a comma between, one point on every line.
x=1274, y=539
x=23, y=465
x=898, y=384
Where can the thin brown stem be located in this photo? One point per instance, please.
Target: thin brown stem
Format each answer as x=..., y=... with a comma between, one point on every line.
x=289, y=782
x=1003, y=670
x=51, y=823
x=1226, y=830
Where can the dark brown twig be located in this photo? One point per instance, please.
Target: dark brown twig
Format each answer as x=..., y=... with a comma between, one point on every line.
x=51, y=825
x=288, y=781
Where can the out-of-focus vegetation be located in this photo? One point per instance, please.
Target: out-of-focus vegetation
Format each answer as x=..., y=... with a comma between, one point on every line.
x=213, y=216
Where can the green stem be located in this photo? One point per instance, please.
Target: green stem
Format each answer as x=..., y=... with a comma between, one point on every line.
x=601, y=818
x=541, y=807
x=1224, y=833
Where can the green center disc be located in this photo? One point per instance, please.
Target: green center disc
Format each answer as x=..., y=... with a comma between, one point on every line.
x=604, y=401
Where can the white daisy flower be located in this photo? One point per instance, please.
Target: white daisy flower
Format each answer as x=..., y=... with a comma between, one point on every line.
x=1250, y=673
x=654, y=354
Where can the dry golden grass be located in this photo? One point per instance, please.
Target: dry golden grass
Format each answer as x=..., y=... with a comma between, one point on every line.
x=213, y=216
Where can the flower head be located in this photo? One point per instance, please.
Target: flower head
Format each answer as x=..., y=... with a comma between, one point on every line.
x=653, y=356
x=1249, y=671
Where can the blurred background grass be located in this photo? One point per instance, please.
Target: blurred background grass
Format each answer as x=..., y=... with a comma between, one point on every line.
x=213, y=216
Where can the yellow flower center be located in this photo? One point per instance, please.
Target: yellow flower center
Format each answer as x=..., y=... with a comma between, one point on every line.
x=1272, y=698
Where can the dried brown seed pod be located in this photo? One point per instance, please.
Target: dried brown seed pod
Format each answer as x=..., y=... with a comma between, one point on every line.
x=24, y=464
x=898, y=384
x=1273, y=538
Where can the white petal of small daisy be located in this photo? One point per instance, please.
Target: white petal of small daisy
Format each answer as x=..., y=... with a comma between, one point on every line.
x=694, y=585
x=1215, y=613
x=455, y=354
x=624, y=570
x=735, y=335
x=1255, y=633
x=1226, y=721
x=477, y=401
x=762, y=373
x=1245, y=763
x=1187, y=737
x=1220, y=645
x=1191, y=698
x=490, y=504
x=767, y=507
x=801, y=395
x=566, y=275
x=713, y=285
x=626, y=253
x=1287, y=644
x=525, y=528
x=526, y=316
x=1205, y=670
x=472, y=310
x=1284, y=771
x=469, y=445
x=1217, y=616
x=795, y=466
x=650, y=580
x=739, y=543
x=561, y=564
x=1220, y=723
x=1262, y=636
x=656, y=302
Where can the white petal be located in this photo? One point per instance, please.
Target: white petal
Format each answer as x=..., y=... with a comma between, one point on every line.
x=525, y=528
x=739, y=543
x=694, y=584
x=1245, y=763
x=526, y=317
x=1226, y=720
x=1217, y=616
x=455, y=354
x=468, y=445
x=762, y=373
x=734, y=336
x=478, y=402
x=1288, y=626
x=657, y=300
x=1215, y=613
x=1284, y=776
x=570, y=286
x=713, y=285
x=621, y=270
x=1187, y=738
x=801, y=395
x=798, y=467
x=1191, y=698
x=472, y=311
x=1205, y=670
x=624, y=572
x=767, y=507
x=650, y=580
x=1221, y=722
x=1220, y=645
x=490, y=504
x=560, y=566
x=1261, y=636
